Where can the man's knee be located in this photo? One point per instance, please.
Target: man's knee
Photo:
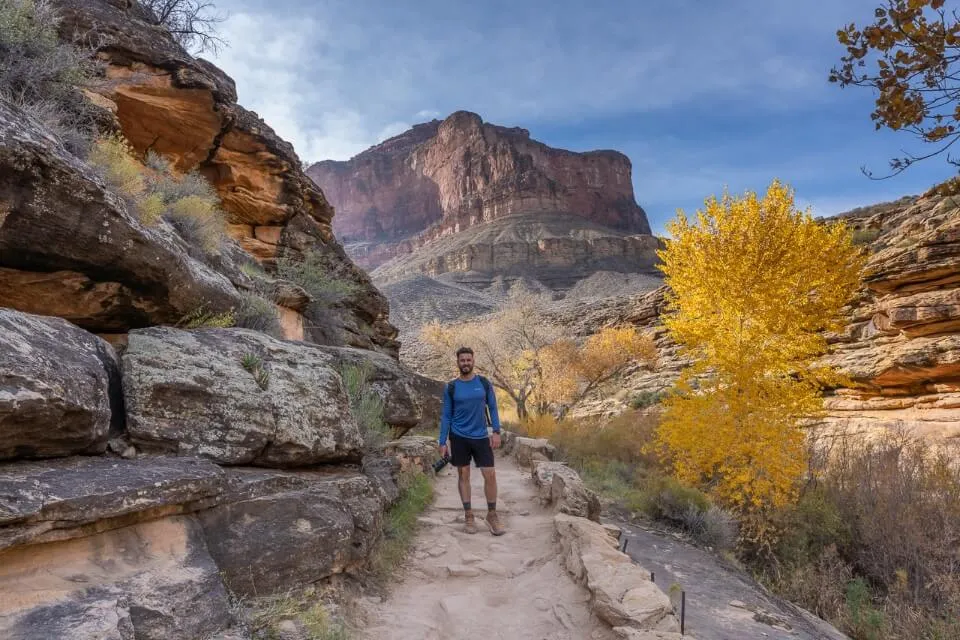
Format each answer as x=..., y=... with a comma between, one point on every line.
x=489, y=473
x=464, y=472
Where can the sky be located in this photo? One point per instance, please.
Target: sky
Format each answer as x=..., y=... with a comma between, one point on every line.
x=703, y=96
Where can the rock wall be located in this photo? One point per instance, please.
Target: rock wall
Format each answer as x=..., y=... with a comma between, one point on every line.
x=442, y=178
x=93, y=263
x=132, y=510
x=901, y=346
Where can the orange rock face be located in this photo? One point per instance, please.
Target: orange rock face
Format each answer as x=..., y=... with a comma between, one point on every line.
x=185, y=109
x=444, y=177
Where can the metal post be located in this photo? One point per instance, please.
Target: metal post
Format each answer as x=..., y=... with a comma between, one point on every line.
x=624, y=548
x=651, y=577
x=683, y=610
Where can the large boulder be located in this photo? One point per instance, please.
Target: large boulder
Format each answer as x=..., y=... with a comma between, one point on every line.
x=528, y=451
x=562, y=487
x=59, y=499
x=237, y=397
x=71, y=247
x=150, y=581
x=278, y=530
x=59, y=387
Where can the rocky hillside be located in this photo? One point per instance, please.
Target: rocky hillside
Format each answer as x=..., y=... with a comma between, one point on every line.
x=901, y=346
x=441, y=179
x=152, y=477
x=110, y=273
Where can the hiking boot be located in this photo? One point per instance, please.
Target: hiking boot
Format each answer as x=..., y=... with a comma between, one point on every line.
x=471, y=522
x=493, y=521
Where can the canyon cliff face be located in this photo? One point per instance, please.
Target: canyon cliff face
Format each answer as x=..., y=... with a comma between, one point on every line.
x=184, y=109
x=443, y=178
x=901, y=346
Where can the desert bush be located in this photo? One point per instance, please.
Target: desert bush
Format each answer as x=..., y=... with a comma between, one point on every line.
x=258, y=314
x=112, y=158
x=317, y=277
x=872, y=545
x=714, y=527
x=311, y=617
x=624, y=438
x=42, y=75
x=646, y=399
x=863, y=237
x=365, y=403
x=542, y=426
x=153, y=191
x=201, y=318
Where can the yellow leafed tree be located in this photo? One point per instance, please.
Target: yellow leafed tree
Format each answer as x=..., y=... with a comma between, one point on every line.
x=754, y=284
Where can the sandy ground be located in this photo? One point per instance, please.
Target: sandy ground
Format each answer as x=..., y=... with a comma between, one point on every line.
x=456, y=585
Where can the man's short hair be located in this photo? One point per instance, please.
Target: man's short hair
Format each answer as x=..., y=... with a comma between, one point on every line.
x=463, y=350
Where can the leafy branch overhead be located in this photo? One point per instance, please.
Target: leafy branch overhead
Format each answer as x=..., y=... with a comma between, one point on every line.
x=909, y=55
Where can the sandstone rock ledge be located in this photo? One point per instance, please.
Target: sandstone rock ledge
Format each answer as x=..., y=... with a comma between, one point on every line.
x=622, y=594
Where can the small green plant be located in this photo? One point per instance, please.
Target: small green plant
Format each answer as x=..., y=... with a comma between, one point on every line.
x=201, y=318
x=251, y=362
x=400, y=526
x=254, y=365
x=262, y=376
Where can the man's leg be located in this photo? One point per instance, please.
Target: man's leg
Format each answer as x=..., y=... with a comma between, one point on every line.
x=484, y=457
x=490, y=487
x=460, y=458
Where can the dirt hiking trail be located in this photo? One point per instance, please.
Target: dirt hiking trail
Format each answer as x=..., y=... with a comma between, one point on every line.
x=456, y=585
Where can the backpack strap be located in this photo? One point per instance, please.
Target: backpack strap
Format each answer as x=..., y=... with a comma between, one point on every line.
x=450, y=396
x=486, y=394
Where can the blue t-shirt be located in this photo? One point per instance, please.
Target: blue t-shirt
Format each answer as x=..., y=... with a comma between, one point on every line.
x=467, y=418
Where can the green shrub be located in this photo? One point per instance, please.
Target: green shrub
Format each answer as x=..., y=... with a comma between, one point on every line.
x=258, y=314
x=646, y=399
x=863, y=237
x=187, y=202
x=42, y=75
x=365, y=403
x=317, y=277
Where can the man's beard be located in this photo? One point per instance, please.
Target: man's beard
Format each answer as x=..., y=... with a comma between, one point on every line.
x=466, y=368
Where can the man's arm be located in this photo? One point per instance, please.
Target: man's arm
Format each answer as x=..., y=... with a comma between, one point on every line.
x=446, y=416
x=492, y=404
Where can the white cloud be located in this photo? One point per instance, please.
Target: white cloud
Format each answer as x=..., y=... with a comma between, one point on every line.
x=338, y=76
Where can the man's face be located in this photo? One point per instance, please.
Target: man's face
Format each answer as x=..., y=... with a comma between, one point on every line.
x=465, y=363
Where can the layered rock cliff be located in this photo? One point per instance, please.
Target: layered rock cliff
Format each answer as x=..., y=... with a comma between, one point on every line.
x=64, y=254
x=443, y=178
x=901, y=346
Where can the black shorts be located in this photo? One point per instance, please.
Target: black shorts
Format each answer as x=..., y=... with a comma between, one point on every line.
x=462, y=449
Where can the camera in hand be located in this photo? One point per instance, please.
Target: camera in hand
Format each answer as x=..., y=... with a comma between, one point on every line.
x=440, y=464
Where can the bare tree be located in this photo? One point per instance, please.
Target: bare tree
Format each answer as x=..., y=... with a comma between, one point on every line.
x=193, y=23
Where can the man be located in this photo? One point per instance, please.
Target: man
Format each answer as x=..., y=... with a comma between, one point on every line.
x=464, y=419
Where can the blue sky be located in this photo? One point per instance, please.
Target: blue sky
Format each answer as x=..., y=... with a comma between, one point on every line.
x=702, y=95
